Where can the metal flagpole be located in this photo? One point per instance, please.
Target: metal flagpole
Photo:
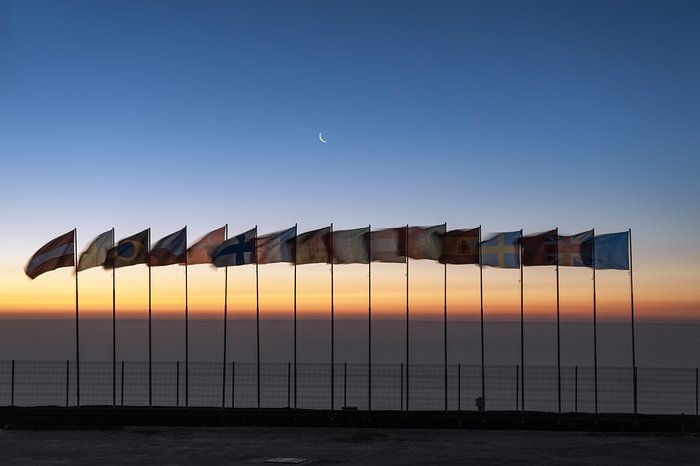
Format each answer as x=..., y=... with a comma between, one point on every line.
x=77, y=320
x=332, y=329
x=369, y=318
x=522, y=327
x=595, y=329
x=150, y=344
x=187, y=336
x=223, y=383
x=444, y=324
x=114, y=331
x=558, y=332
x=295, y=313
x=407, y=319
x=481, y=322
x=257, y=315
x=634, y=355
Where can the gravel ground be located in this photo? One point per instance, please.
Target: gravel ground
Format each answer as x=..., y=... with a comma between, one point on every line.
x=242, y=446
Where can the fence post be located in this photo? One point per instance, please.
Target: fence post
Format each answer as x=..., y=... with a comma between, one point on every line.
x=401, y=397
x=12, y=387
x=634, y=381
x=177, y=384
x=233, y=381
x=122, y=383
x=576, y=389
x=517, y=388
x=289, y=384
x=345, y=385
x=67, y=379
x=459, y=386
x=223, y=387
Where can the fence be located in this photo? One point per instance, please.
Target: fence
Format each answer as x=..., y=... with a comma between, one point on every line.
x=45, y=383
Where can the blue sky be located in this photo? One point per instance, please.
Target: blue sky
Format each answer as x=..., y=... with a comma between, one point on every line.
x=513, y=115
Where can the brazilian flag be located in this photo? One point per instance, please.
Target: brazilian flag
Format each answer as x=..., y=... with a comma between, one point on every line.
x=129, y=251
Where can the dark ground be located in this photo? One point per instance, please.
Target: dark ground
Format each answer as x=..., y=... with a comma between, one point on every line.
x=253, y=445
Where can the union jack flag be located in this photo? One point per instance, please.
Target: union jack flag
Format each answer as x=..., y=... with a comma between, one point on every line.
x=573, y=252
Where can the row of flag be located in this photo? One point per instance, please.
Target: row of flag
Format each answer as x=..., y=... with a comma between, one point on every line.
x=355, y=246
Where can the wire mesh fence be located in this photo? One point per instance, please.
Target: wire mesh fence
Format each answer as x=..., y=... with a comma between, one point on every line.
x=350, y=386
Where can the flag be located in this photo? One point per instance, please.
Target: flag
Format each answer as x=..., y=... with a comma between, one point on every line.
x=540, y=249
x=171, y=249
x=237, y=250
x=576, y=250
x=384, y=245
x=423, y=242
x=59, y=252
x=350, y=246
x=460, y=247
x=202, y=251
x=275, y=247
x=129, y=251
x=502, y=250
x=96, y=253
x=313, y=246
x=610, y=251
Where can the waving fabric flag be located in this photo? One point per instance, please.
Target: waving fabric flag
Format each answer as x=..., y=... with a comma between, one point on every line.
x=611, y=251
x=350, y=246
x=502, y=250
x=540, y=249
x=170, y=250
x=96, y=253
x=384, y=245
x=313, y=246
x=275, y=247
x=460, y=247
x=202, y=251
x=237, y=250
x=423, y=242
x=59, y=252
x=576, y=250
x=129, y=251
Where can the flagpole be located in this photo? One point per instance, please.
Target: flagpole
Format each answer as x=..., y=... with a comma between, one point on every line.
x=114, y=330
x=332, y=328
x=522, y=328
x=481, y=322
x=223, y=384
x=444, y=320
x=407, y=319
x=257, y=315
x=369, y=318
x=595, y=328
x=187, y=334
x=150, y=344
x=296, y=243
x=558, y=331
x=634, y=355
x=77, y=320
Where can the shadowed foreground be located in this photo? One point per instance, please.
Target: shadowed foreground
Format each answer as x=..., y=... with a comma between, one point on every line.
x=254, y=445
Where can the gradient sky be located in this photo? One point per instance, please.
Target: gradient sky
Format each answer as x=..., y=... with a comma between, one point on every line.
x=511, y=115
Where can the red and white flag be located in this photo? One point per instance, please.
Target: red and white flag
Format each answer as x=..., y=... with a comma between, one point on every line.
x=59, y=252
x=202, y=251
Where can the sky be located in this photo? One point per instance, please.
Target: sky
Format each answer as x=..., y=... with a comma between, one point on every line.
x=509, y=115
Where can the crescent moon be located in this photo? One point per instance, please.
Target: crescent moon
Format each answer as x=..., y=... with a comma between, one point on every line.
x=321, y=137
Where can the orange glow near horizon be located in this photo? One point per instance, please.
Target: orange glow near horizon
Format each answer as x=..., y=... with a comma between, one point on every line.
x=52, y=295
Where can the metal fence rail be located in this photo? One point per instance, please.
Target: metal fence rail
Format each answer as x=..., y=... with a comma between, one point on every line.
x=209, y=384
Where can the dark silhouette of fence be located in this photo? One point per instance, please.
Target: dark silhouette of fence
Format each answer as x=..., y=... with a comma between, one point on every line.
x=53, y=383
